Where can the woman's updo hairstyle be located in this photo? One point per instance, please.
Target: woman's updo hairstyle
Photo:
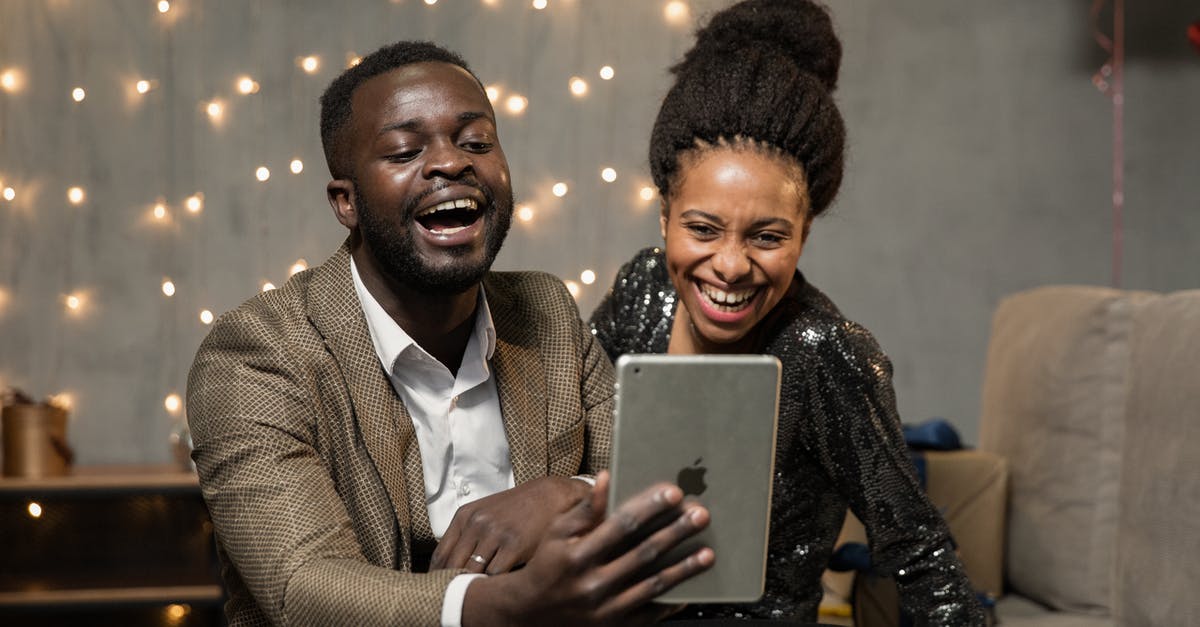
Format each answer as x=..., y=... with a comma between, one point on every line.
x=762, y=72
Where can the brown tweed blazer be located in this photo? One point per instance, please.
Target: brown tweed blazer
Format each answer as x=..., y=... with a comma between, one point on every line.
x=308, y=459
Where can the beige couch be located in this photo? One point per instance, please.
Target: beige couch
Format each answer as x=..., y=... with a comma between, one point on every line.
x=1092, y=395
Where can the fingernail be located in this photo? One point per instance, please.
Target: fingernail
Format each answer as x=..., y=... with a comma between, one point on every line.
x=695, y=516
x=669, y=496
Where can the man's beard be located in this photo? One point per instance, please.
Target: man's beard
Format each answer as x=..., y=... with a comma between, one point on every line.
x=396, y=250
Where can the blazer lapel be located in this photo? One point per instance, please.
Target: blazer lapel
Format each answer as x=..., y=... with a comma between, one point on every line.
x=521, y=384
x=382, y=419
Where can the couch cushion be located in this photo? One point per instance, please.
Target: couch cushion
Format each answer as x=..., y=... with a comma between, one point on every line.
x=1053, y=400
x=1158, y=546
x=1016, y=611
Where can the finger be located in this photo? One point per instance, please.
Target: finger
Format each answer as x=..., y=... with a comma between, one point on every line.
x=480, y=558
x=636, y=597
x=503, y=561
x=446, y=545
x=628, y=519
x=587, y=512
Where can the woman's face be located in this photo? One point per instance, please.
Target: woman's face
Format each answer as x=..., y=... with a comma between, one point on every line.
x=734, y=228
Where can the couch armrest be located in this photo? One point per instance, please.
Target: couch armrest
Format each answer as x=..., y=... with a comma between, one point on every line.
x=970, y=488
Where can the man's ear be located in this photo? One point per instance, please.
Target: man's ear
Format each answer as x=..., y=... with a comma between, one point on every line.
x=340, y=193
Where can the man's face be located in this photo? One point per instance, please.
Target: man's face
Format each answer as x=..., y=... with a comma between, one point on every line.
x=431, y=184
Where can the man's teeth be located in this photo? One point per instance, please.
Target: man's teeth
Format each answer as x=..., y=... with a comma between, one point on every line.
x=461, y=203
x=727, y=300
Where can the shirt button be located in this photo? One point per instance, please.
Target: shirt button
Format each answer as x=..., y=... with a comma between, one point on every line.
x=464, y=489
x=454, y=402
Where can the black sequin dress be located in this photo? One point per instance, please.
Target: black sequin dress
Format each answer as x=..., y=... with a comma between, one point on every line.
x=839, y=444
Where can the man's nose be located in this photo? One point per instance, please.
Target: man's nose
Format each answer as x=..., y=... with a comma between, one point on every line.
x=731, y=263
x=444, y=158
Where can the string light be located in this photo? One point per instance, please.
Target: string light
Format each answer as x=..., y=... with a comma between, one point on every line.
x=168, y=287
x=247, y=85
x=172, y=402
x=579, y=87
x=607, y=72
x=176, y=612
x=78, y=94
x=608, y=174
x=524, y=213
x=159, y=211
x=142, y=86
x=75, y=302
x=588, y=277
x=11, y=80
x=206, y=316
x=647, y=193
x=516, y=104
x=539, y=4
x=34, y=509
x=300, y=266
x=559, y=189
x=493, y=93
x=352, y=59
x=297, y=166
x=572, y=287
x=268, y=286
x=262, y=173
x=215, y=110
x=431, y=2
x=163, y=6
x=194, y=203
x=310, y=64
x=9, y=194
x=75, y=195
x=676, y=12
x=63, y=400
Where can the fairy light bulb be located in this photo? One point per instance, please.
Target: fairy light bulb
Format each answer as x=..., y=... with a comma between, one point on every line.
x=587, y=277
x=352, y=59
x=493, y=93
x=539, y=4
x=9, y=193
x=676, y=12
x=262, y=173
x=297, y=166
x=559, y=189
x=247, y=85
x=215, y=110
x=607, y=73
x=74, y=303
x=78, y=94
x=35, y=509
x=578, y=86
x=431, y=2
x=63, y=400
x=310, y=64
x=172, y=402
x=608, y=174
x=206, y=316
x=159, y=212
x=163, y=6
x=647, y=193
x=76, y=195
x=300, y=266
x=572, y=287
x=10, y=80
x=516, y=104
x=524, y=213
x=168, y=287
x=267, y=286
x=142, y=86
x=194, y=203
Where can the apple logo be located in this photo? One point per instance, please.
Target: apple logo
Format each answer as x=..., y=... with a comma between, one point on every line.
x=691, y=478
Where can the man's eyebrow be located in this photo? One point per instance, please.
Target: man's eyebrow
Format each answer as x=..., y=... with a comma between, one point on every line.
x=414, y=124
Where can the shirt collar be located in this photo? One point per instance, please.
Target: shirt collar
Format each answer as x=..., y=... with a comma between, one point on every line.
x=390, y=339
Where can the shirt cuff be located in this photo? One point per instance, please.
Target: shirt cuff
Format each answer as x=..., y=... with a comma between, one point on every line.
x=456, y=594
x=586, y=479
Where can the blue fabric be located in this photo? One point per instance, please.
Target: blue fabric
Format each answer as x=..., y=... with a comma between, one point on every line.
x=935, y=434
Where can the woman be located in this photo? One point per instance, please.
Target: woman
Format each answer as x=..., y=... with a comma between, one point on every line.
x=746, y=151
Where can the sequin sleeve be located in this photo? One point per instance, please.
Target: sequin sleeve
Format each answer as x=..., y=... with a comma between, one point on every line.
x=635, y=314
x=861, y=447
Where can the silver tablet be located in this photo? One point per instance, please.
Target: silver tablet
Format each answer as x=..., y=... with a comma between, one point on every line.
x=706, y=423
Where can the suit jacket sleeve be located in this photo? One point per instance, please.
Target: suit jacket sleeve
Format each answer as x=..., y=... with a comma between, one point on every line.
x=282, y=527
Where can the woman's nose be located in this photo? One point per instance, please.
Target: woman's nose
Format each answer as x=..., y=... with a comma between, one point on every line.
x=731, y=264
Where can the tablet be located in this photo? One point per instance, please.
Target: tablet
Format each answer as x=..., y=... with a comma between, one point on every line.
x=706, y=423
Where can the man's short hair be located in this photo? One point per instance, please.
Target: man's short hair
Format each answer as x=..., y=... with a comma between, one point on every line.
x=336, y=101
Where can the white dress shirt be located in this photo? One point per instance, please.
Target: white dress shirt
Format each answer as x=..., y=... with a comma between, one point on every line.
x=460, y=431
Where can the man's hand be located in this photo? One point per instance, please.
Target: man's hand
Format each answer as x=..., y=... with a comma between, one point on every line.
x=504, y=529
x=589, y=570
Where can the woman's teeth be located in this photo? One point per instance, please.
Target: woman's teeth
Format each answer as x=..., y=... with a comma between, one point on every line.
x=727, y=301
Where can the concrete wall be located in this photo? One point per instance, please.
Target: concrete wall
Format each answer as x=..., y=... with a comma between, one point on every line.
x=980, y=164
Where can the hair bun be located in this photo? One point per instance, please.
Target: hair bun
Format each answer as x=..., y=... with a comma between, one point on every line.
x=799, y=29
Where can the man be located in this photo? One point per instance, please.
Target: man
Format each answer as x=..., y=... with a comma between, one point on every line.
x=341, y=422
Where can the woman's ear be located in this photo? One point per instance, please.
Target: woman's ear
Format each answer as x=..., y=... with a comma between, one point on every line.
x=340, y=193
x=808, y=220
x=663, y=212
